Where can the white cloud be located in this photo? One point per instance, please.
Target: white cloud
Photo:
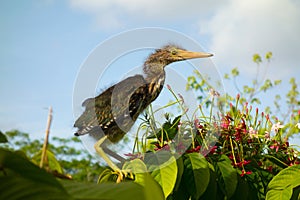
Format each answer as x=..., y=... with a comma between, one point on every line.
x=236, y=28
x=116, y=13
x=242, y=28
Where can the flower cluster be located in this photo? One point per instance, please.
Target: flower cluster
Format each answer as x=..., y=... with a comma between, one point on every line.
x=249, y=139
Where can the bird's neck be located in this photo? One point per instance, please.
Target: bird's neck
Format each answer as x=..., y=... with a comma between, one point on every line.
x=154, y=71
x=155, y=78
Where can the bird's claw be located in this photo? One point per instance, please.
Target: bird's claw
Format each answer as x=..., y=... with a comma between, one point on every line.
x=122, y=174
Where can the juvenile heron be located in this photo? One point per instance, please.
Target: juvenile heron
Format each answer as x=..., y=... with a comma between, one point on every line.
x=111, y=114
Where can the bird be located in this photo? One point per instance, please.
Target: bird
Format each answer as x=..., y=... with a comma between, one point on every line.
x=111, y=114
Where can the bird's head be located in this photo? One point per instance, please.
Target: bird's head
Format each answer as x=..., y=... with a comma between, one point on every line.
x=173, y=53
x=169, y=54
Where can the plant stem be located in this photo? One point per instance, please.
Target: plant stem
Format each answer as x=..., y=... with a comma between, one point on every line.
x=44, y=150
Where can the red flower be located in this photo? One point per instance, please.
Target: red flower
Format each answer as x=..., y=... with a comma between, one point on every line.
x=243, y=163
x=270, y=168
x=134, y=156
x=197, y=149
x=275, y=145
x=164, y=147
x=213, y=149
x=244, y=172
x=197, y=124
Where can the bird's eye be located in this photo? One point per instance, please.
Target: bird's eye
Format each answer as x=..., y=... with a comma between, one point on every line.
x=173, y=52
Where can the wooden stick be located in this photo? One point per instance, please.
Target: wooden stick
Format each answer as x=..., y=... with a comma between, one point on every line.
x=45, y=146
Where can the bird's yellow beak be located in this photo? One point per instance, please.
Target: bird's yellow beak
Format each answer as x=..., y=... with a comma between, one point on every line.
x=189, y=54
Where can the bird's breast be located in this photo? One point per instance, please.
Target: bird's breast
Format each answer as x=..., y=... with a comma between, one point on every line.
x=155, y=87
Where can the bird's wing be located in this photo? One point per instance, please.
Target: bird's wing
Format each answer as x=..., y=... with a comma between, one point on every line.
x=111, y=107
x=89, y=118
x=125, y=99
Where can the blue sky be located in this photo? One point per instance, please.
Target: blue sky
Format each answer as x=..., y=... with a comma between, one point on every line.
x=45, y=42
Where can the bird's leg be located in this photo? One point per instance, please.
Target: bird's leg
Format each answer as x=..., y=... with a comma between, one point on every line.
x=113, y=154
x=110, y=163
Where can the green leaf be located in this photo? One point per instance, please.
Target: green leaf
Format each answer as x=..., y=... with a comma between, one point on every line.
x=196, y=174
x=277, y=82
x=282, y=185
x=248, y=89
x=3, y=138
x=226, y=76
x=180, y=169
x=255, y=100
x=256, y=58
x=152, y=190
x=228, y=175
x=269, y=55
x=139, y=169
x=276, y=160
x=163, y=168
x=113, y=191
x=267, y=85
x=143, y=178
x=242, y=189
x=296, y=193
x=107, y=175
x=168, y=131
x=21, y=179
x=211, y=190
x=181, y=193
x=235, y=72
x=53, y=163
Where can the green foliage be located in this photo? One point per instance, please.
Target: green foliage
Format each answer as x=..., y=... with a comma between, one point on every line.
x=21, y=179
x=196, y=174
x=62, y=158
x=269, y=55
x=52, y=162
x=257, y=58
x=282, y=185
x=3, y=138
x=228, y=175
x=165, y=173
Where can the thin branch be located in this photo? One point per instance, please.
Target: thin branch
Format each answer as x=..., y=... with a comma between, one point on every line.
x=45, y=146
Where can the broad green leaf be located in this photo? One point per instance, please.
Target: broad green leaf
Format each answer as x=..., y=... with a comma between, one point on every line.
x=163, y=168
x=180, y=193
x=139, y=169
x=280, y=195
x=180, y=169
x=296, y=193
x=21, y=179
x=196, y=174
x=228, y=174
x=282, y=185
x=152, y=189
x=242, y=189
x=211, y=190
x=114, y=191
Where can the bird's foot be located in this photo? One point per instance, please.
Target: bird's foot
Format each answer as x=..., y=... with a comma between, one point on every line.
x=123, y=174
